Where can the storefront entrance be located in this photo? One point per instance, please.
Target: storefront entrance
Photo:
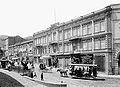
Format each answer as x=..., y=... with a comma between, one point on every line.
x=100, y=61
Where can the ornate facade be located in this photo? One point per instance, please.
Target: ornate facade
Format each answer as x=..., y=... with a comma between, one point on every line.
x=96, y=35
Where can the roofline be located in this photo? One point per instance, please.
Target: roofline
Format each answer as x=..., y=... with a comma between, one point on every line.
x=21, y=43
x=107, y=8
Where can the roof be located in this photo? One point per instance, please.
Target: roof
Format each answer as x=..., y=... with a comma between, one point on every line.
x=83, y=64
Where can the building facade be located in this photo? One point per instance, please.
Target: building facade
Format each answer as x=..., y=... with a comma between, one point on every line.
x=21, y=50
x=95, y=35
x=11, y=40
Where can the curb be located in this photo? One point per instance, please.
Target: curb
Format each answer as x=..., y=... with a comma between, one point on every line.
x=48, y=84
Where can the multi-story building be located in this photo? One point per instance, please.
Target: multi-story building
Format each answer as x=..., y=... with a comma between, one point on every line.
x=11, y=40
x=21, y=50
x=95, y=35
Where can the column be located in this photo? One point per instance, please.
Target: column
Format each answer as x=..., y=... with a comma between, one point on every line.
x=63, y=41
x=106, y=24
x=80, y=30
x=71, y=32
x=92, y=27
x=93, y=45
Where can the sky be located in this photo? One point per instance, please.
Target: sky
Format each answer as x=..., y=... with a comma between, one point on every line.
x=25, y=17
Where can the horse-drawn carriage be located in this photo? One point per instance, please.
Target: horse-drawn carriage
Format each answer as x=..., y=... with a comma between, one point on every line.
x=83, y=70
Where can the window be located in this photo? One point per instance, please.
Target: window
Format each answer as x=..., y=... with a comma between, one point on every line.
x=60, y=35
x=84, y=30
x=75, y=30
x=84, y=45
x=54, y=36
x=97, y=44
x=49, y=38
x=103, y=43
x=97, y=27
x=102, y=24
x=89, y=45
x=60, y=48
x=89, y=28
x=65, y=47
x=67, y=34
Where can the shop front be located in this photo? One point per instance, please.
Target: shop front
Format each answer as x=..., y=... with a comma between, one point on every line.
x=47, y=60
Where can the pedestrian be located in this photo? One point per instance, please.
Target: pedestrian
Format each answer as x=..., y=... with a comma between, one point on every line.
x=42, y=76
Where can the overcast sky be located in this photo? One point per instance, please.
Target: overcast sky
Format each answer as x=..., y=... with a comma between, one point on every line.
x=25, y=17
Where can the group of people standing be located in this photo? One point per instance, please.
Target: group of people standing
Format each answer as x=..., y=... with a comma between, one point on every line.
x=87, y=71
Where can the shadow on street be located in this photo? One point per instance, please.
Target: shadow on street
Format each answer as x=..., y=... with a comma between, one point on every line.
x=8, y=81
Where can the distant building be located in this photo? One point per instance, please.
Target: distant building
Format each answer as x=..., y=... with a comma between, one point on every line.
x=22, y=50
x=11, y=41
x=96, y=35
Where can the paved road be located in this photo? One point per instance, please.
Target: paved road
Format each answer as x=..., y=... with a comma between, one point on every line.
x=55, y=77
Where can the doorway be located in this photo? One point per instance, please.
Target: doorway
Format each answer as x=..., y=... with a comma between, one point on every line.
x=119, y=64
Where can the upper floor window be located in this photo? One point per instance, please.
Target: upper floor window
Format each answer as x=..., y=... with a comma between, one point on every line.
x=89, y=28
x=102, y=24
x=49, y=38
x=103, y=44
x=60, y=35
x=90, y=45
x=84, y=45
x=100, y=43
x=54, y=36
x=67, y=34
x=75, y=30
x=99, y=26
x=97, y=44
x=60, y=48
x=84, y=29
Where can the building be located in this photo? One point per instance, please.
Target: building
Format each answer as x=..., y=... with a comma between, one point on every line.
x=11, y=40
x=95, y=35
x=21, y=50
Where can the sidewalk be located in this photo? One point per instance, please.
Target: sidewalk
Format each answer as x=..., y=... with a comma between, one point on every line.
x=100, y=74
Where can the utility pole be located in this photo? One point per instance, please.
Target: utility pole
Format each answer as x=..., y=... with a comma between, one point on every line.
x=55, y=15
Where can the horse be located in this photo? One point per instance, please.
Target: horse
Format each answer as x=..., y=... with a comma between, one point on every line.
x=48, y=68
x=63, y=72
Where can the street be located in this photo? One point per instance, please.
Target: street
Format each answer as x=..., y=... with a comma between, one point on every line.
x=55, y=77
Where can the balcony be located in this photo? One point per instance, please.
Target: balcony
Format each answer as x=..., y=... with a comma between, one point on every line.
x=39, y=45
x=75, y=38
x=53, y=43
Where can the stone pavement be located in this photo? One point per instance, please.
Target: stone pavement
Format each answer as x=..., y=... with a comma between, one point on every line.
x=21, y=79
